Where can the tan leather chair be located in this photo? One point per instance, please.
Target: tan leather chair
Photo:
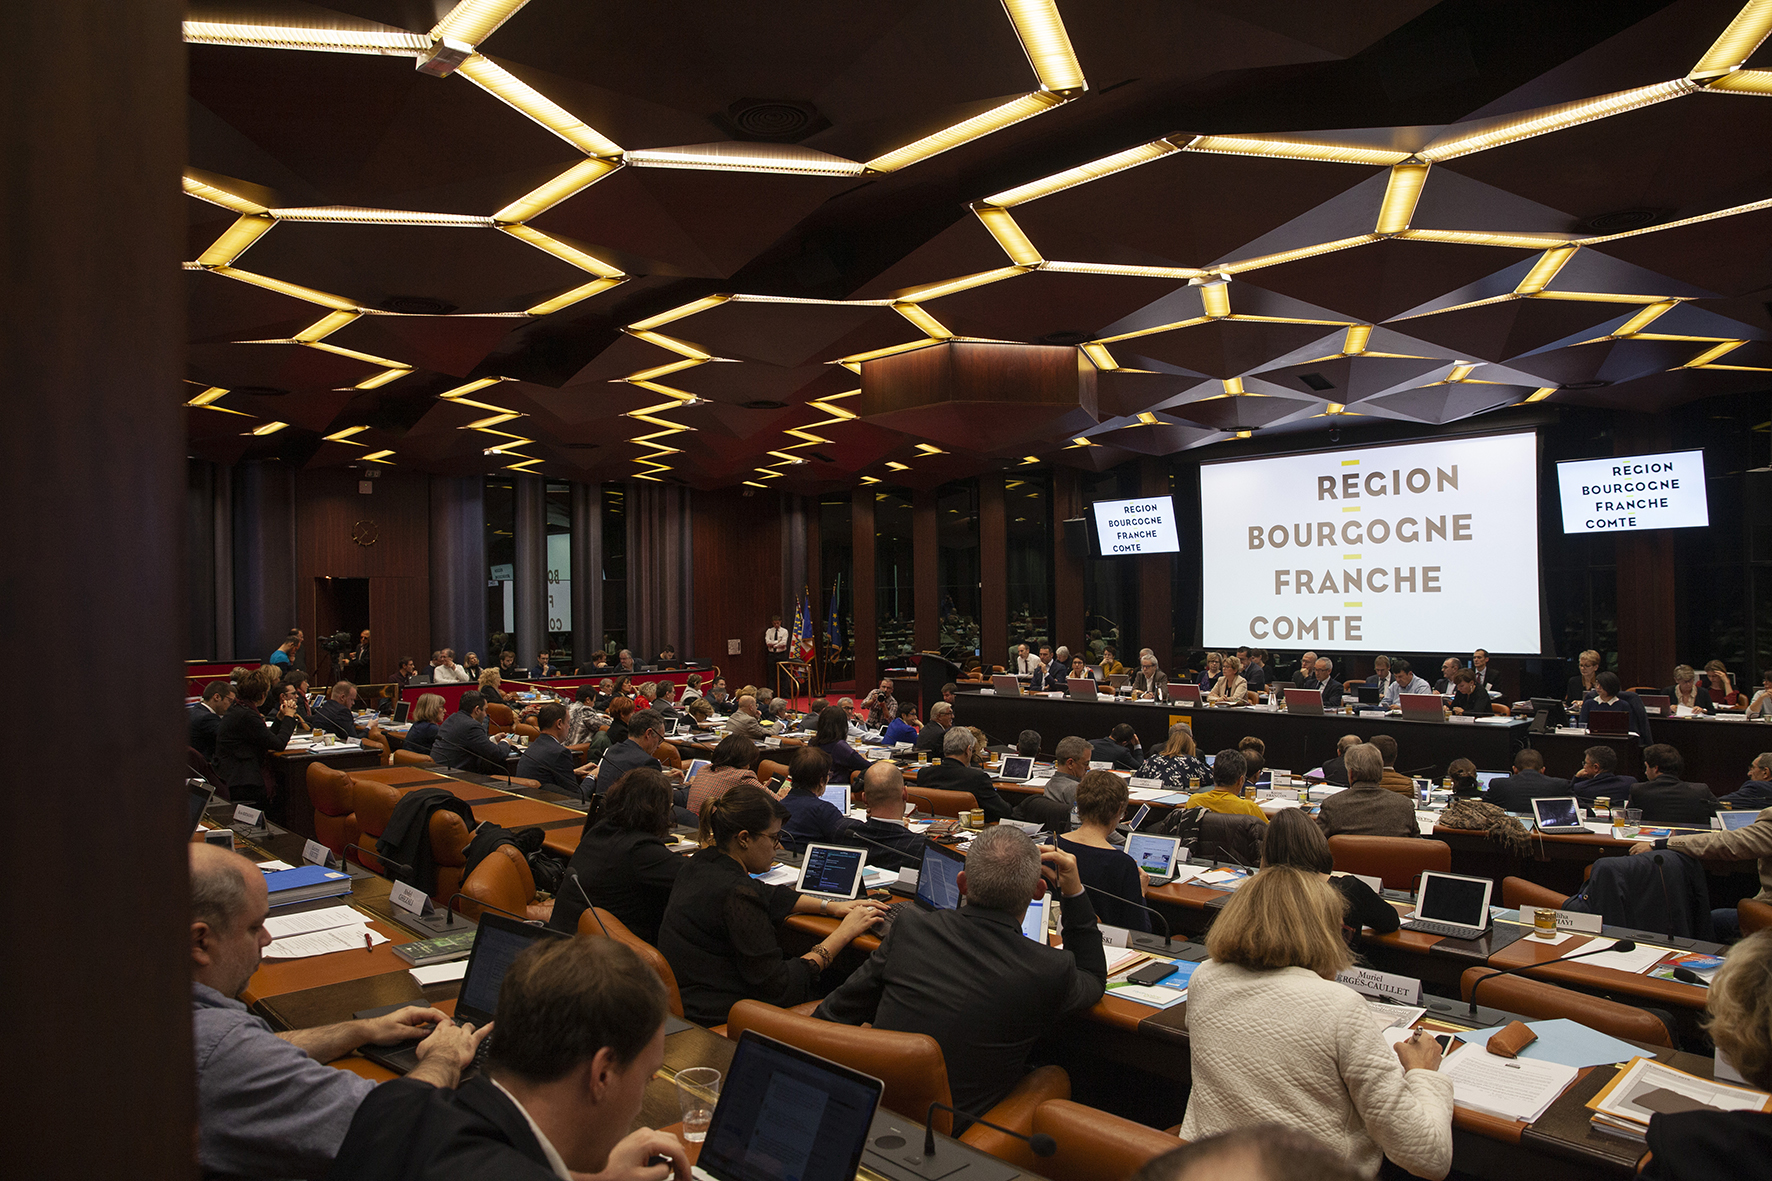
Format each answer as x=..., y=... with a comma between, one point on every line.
x=910, y=1064
x=1539, y=1000
x=449, y=853
x=1399, y=861
x=374, y=803
x=526, y=730
x=335, y=811
x=667, y=755
x=500, y=715
x=614, y=928
x=1093, y=1145
x=502, y=879
x=1754, y=916
x=1518, y=892
x=768, y=769
x=411, y=758
x=938, y=802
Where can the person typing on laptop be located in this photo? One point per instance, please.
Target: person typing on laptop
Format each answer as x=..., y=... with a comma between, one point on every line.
x=971, y=980
x=580, y=1033
x=267, y=1106
x=1515, y=792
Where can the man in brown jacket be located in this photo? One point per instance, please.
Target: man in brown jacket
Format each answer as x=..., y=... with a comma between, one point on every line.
x=1393, y=780
x=1753, y=842
x=1366, y=809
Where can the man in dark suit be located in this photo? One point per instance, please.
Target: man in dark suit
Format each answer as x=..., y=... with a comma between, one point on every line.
x=1515, y=793
x=645, y=735
x=547, y=761
x=334, y=714
x=1756, y=793
x=243, y=739
x=462, y=741
x=971, y=980
x=955, y=772
x=1335, y=769
x=882, y=787
x=580, y=1033
x=1599, y=777
x=1120, y=748
x=1323, y=680
x=1664, y=797
x=206, y=717
x=941, y=720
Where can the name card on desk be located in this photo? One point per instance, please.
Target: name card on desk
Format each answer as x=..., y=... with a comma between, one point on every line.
x=1113, y=936
x=409, y=898
x=1100, y=765
x=245, y=815
x=901, y=748
x=1403, y=989
x=1569, y=920
x=1146, y=784
x=314, y=853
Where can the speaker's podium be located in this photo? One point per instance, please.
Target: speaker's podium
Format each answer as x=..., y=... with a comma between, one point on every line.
x=933, y=672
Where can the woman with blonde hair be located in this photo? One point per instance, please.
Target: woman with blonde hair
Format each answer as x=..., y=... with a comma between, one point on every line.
x=427, y=715
x=1276, y=1039
x=1178, y=764
x=1209, y=677
x=1582, y=683
x=489, y=683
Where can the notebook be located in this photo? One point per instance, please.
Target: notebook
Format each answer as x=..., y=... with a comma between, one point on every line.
x=785, y=1113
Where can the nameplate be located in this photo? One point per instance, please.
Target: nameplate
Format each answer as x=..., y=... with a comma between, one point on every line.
x=222, y=837
x=1263, y=793
x=1113, y=936
x=1146, y=784
x=314, y=853
x=772, y=742
x=1402, y=989
x=901, y=748
x=1567, y=920
x=409, y=898
x=1059, y=696
x=245, y=815
x=988, y=692
x=1284, y=793
x=1651, y=709
x=1099, y=765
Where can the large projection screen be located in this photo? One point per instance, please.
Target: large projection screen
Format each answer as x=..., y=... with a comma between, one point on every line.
x=1406, y=547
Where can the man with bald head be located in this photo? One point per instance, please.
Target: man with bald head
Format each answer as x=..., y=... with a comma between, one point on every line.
x=882, y=786
x=266, y=1104
x=1307, y=665
x=747, y=720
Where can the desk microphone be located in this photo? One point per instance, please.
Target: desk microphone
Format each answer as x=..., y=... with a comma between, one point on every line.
x=1167, y=941
x=386, y=860
x=849, y=834
x=572, y=876
x=1041, y=1144
x=448, y=907
x=1621, y=945
x=1225, y=849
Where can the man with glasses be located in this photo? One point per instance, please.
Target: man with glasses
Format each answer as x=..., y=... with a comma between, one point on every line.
x=645, y=735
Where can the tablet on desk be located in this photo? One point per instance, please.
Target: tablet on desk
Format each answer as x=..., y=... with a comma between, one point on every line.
x=1016, y=769
x=831, y=871
x=1155, y=855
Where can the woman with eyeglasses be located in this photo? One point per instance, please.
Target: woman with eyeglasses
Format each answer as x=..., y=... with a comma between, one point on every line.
x=719, y=928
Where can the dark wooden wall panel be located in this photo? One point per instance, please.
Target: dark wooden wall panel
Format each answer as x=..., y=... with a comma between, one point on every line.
x=926, y=553
x=397, y=514
x=1156, y=626
x=1067, y=572
x=867, y=631
x=993, y=570
x=1647, y=566
x=737, y=579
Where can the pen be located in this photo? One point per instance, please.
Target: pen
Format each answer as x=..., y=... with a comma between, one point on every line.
x=368, y=943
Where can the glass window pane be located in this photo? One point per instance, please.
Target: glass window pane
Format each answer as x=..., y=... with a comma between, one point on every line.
x=501, y=559
x=895, y=604
x=559, y=518
x=836, y=566
x=1027, y=512
x=956, y=515
x=615, y=570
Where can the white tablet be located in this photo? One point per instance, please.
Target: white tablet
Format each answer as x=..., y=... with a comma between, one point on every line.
x=831, y=871
x=1155, y=855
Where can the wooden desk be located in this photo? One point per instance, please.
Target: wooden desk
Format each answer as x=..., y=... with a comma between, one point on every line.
x=289, y=771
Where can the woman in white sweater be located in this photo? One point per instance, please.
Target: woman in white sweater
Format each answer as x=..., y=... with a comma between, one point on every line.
x=1276, y=1040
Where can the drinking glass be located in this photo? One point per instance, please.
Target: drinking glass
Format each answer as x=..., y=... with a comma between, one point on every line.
x=698, y=1090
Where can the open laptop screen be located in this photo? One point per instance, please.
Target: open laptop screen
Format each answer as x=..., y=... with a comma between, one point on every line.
x=831, y=871
x=1449, y=898
x=497, y=944
x=1016, y=767
x=1557, y=812
x=938, y=880
x=837, y=794
x=784, y=1113
x=1733, y=820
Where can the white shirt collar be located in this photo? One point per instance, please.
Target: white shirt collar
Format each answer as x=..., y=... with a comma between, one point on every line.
x=887, y=820
x=555, y=1161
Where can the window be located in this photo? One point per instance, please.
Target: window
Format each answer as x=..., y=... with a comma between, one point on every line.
x=1110, y=585
x=895, y=602
x=836, y=571
x=615, y=570
x=501, y=565
x=1027, y=511
x=957, y=569
x=559, y=559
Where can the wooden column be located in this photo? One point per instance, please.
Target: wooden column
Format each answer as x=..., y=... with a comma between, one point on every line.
x=1648, y=645
x=1156, y=621
x=94, y=472
x=530, y=573
x=926, y=553
x=266, y=603
x=1068, y=611
x=587, y=570
x=993, y=572
x=457, y=563
x=867, y=631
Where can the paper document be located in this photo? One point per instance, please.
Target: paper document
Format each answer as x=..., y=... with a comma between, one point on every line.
x=312, y=943
x=440, y=973
x=1640, y=960
x=1121, y=958
x=779, y=875
x=1389, y=1016
x=1646, y=1087
x=1164, y=994
x=274, y=866
x=1510, y=1088
x=1566, y=1042
x=283, y=925
x=1187, y=873
x=1147, y=794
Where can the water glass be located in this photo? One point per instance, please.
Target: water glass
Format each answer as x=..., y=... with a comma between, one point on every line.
x=1626, y=821
x=698, y=1090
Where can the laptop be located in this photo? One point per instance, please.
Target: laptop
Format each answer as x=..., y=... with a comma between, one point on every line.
x=1655, y=704
x=1186, y=693
x=837, y=794
x=1608, y=721
x=1733, y=820
x=1156, y=856
x=1451, y=905
x=1303, y=701
x=1119, y=681
x=831, y=871
x=1423, y=707
x=1005, y=685
x=1016, y=769
x=1370, y=694
x=497, y=943
x=1558, y=814
x=785, y=1113
x=1080, y=688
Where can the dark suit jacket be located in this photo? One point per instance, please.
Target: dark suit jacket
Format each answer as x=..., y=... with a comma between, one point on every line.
x=1753, y=794
x=1335, y=772
x=1702, y=698
x=417, y=1132
x=462, y=745
x=1331, y=690
x=1613, y=787
x=1516, y=792
x=953, y=775
x=971, y=980
x=1108, y=751
x=618, y=760
x=1666, y=800
x=205, y=725
x=333, y=717
x=906, y=846
x=930, y=736
x=550, y=764
x=1695, y=1145
x=241, y=741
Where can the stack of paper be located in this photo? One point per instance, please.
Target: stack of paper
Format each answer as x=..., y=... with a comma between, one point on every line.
x=319, y=932
x=1646, y=1087
x=1164, y=994
x=1509, y=1088
x=1389, y=1016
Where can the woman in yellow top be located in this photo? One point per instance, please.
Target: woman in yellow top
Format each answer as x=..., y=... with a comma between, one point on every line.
x=1110, y=662
x=1226, y=795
